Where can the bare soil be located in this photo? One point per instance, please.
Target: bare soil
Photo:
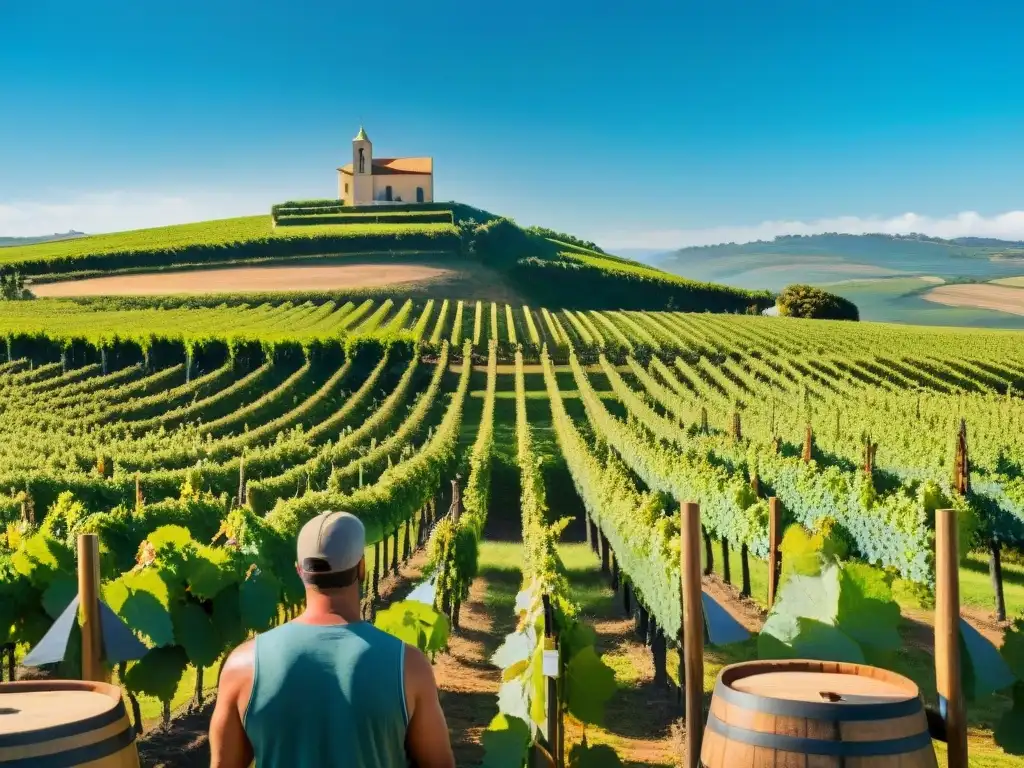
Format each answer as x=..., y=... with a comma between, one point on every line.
x=235, y=280
x=1002, y=298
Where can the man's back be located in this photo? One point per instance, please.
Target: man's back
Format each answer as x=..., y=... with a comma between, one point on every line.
x=327, y=695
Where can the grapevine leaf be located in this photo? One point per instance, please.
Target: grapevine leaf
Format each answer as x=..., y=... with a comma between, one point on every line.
x=812, y=597
x=227, y=617
x=575, y=638
x=174, y=536
x=196, y=634
x=259, y=596
x=115, y=593
x=506, y=742
x=538, y=687
x=589, y=684
x=517, y=647
x=57, y=596
x=593, y=756
x=867, y=611
x=207, y=572
x=513, y=701
x=41, y=559
x=815, y=640
x=1012, y=649
x=158, y=673
x=988, y=671
x=516, y=670
x=147, y=608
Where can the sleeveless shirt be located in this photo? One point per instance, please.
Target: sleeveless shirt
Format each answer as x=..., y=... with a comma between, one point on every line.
x=328, y=695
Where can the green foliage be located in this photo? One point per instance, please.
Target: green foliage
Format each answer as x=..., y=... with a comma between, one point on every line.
x=506, y=742
x=416, y=624
x=196, y=634
x=593, y=756
x=835, y=612
x=590, y=683
x=158, y=673
x=813, y=303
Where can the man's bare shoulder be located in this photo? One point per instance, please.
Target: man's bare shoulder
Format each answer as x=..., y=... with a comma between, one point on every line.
x=239, y=665
x=419, y=673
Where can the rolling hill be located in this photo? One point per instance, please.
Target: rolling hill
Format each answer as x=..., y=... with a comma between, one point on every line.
x=543, y=267
x=831, y=258
x=891, y=278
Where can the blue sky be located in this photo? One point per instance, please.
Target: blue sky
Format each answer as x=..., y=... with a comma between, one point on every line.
x=637, y=124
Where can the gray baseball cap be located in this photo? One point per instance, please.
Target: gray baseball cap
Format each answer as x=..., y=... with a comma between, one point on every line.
x=330, y=545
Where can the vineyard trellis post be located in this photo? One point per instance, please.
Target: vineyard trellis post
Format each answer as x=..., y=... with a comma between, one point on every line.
x=394, y=554
x=947, y=637
x=376, y=570
x=692, y=627
x=774, y=542
x=745, y=570
x=551, y=667
x=709, y=553
x=808, y=444
x=586, y=526
x=615, y=572
x=726, y=569
x=89, y=601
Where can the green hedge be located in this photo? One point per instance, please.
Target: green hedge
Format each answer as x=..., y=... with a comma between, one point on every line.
x=297, y=241
x=813, y=303
x=460, y=212
x=397, y=217
x=575, y=285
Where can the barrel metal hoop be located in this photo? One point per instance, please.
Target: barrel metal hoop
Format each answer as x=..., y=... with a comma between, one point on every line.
x=814, y=710
x=804, y=746
x=63, y=730
x=79, y=755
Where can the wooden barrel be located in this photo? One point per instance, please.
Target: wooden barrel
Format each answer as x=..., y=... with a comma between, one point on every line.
x=63, y=723
x=815, y=714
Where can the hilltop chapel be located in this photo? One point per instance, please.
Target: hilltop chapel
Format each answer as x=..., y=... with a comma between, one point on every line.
x=370, y=180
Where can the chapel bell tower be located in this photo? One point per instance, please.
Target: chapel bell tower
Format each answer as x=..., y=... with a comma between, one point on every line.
x=362, y=169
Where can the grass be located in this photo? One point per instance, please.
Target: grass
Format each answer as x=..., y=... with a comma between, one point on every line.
x=245, y=237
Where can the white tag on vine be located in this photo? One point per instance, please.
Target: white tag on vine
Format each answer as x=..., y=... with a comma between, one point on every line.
x=549, y=663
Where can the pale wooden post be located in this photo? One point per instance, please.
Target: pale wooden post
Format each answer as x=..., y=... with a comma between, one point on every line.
x=947, y=635
x=693, y=631
x=89, y=607
x=774, y=541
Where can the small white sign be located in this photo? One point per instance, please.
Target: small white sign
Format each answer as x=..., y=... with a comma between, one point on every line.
x=549, y=663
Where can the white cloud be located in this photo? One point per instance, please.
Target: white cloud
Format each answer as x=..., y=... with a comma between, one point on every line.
x=121, y=210
x=1006, y=226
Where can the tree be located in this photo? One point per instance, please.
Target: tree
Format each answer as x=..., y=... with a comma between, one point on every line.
x=12, y=285
x=810, y=302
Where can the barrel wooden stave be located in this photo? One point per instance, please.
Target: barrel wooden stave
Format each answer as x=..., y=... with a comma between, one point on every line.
x=734, y=750
x=102, y=738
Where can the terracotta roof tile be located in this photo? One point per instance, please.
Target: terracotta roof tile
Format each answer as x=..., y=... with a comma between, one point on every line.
x=383, y=166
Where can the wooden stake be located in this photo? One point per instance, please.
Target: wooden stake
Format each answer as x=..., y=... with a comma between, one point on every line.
x=726, y=570
x=693, y=631
x=808, y=444
x=709, y=555
x=89, y=607
x=745, y=570
x=995, y=572
x=774, y=540
x=947, y=636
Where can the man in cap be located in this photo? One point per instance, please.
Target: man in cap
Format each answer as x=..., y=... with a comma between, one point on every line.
x=328, y=689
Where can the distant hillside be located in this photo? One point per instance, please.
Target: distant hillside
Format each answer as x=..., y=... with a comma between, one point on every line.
x=548, y=268
x=830, y=258
x=6, y=242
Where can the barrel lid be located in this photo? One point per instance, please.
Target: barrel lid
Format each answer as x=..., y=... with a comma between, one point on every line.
x=43, y=704
x=819, y=682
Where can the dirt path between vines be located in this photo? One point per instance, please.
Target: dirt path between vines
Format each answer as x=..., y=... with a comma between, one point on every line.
x=231, y=280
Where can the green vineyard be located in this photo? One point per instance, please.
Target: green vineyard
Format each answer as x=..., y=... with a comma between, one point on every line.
x=197, y=440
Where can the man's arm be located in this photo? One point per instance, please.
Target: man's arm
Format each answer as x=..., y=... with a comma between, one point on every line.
x=426, y=740
x=229, y=746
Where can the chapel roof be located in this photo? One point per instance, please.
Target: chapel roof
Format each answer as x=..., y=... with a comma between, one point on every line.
x=383, y=166
x=361, y=136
